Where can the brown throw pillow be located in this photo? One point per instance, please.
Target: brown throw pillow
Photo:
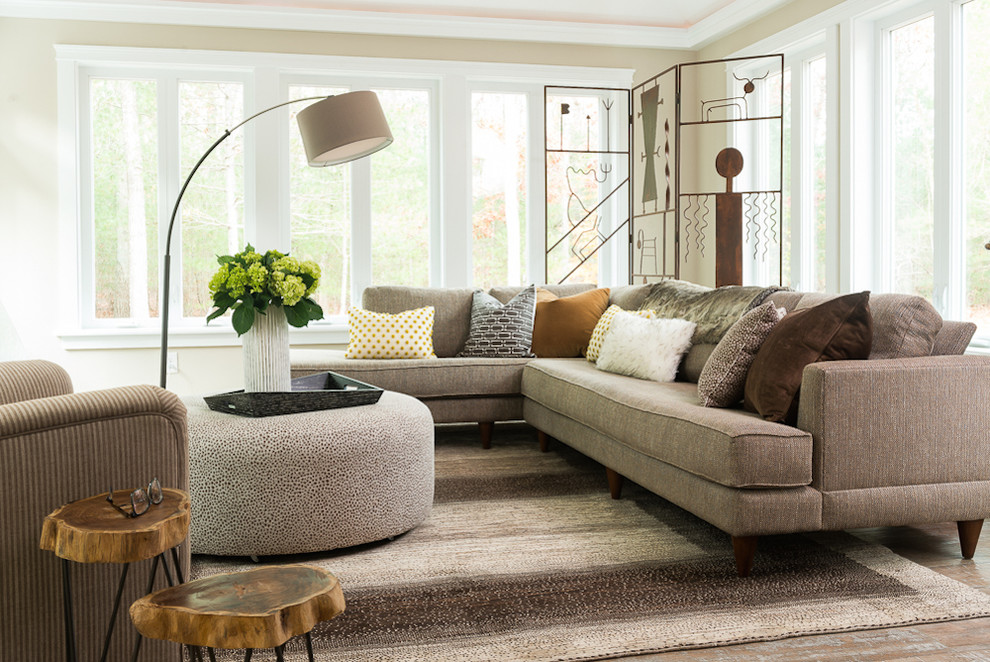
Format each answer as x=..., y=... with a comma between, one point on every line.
x=723, y=378
x=563, y=326
x=841, y=328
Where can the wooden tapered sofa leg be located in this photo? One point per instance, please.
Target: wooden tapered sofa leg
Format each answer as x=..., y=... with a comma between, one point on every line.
x=969, y=535
x=544, y=439
x=486, y=433
x=614, y=483
x=744, y=548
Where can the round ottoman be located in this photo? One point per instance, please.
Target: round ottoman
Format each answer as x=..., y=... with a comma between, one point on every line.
x=308, y=482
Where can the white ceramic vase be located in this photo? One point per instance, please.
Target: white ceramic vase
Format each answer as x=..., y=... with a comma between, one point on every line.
x=266, y=352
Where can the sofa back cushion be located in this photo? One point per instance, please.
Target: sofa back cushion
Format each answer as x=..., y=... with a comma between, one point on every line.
x=505, y=292
x=953, y=338
x=629, y=297
x=904, y=325
x=452, y=317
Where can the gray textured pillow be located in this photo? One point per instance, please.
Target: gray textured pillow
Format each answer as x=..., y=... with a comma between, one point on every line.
x=501, y=331
x=723, y=379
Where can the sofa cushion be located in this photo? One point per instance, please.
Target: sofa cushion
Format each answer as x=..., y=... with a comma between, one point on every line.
x=629, y=297
x=604, y=324
x=645, y=348
x=504, y=293
x=452, y=317
x=904, y=325
x=841, y=328
x=501, y=330
x=563, y=325
x=405, y=335
x=665, y=421
x=723, y=378
x=438, y=378
x=713, y=310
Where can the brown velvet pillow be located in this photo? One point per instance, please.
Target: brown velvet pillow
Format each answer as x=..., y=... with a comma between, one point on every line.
x=841, y=328
x=563, y=326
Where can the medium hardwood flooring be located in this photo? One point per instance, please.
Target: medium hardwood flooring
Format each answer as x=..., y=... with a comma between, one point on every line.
x=933, y=546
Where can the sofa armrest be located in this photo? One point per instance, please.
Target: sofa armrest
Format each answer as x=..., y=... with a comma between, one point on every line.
x=28, y=380
x=54, y=450
x=897, y=422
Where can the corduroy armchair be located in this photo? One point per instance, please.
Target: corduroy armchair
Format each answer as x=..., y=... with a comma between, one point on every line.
x=57, y=446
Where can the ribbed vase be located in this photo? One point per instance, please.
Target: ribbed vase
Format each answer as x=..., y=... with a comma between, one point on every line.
x=266, y=352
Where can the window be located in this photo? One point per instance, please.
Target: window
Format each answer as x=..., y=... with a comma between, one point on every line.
x=447, y=204
x=124, y=195
x=976, y=128
x=498, y=187
x=908, y=121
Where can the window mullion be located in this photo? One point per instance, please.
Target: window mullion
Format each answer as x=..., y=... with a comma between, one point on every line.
x=536, y=185
x=455, y=111
x=361, y=245
x=950, y=258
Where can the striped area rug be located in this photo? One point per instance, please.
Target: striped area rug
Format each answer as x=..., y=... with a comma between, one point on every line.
x=525, y=557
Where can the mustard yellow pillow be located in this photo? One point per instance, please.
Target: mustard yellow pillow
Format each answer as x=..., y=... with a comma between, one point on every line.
x=601, y=328
x=406, y=335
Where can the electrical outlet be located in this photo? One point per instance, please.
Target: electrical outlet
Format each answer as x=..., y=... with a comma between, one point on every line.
x=172, y=363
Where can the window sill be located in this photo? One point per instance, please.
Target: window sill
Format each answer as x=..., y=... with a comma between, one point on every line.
x=214, y=336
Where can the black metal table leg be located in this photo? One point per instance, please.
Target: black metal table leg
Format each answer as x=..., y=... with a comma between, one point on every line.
x=168, y=574
x=151, y=586
x=70, y=628
x=309, y=647
x=113, y=614
x=175, y=562
x=248, y=654
x=278, y=653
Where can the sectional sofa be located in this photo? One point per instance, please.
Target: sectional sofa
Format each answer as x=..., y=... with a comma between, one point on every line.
x=901, y=438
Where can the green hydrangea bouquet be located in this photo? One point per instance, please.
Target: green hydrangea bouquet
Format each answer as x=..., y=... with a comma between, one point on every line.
x=250, y=282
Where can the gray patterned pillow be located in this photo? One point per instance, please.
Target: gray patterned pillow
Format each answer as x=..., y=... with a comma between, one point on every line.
x=723, y=379
x=501, y=331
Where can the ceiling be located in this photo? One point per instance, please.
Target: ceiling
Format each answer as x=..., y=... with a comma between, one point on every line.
x=655, y=13
x=677, y=24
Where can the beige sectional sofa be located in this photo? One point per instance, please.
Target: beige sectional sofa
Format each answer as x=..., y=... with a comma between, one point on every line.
x=881, y=442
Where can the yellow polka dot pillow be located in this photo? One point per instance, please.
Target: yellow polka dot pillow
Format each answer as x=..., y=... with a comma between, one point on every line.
x=604, y=322
x=406, y=335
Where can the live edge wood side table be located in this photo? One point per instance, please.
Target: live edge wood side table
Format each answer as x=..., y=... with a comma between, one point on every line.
x=258, y=608
x=93, y=531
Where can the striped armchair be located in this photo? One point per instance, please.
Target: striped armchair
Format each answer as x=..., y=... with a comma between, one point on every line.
x=57, y=446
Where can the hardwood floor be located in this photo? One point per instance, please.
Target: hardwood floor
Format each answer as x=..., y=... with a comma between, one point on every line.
x=933, y=546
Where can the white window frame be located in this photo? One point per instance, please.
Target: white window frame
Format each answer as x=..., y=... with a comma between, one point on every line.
x=267, y=77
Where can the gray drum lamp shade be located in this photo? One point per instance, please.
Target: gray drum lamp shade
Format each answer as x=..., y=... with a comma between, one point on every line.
x=342, y=128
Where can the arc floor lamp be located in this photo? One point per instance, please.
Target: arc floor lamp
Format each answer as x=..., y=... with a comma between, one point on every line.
x=334, y=130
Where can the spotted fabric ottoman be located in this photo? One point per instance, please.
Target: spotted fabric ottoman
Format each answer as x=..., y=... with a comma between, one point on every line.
x=308, y=482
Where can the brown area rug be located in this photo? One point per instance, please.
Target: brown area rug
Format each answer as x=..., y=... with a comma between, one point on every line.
x=525, y=557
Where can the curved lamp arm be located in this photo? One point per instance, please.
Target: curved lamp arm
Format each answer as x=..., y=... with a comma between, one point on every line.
x=358, y=128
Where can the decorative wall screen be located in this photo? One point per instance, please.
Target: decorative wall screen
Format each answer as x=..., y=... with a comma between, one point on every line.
x=587, y=136
x=705, y=168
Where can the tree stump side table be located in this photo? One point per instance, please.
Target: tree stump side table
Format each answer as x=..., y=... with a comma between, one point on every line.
x=258, y=608
x=93, y=531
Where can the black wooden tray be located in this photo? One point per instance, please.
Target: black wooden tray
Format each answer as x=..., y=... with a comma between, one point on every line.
x=324, y=390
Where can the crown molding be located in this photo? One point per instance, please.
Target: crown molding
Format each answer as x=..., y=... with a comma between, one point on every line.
x=347, y=21
x=729, y=18
x=214, y=14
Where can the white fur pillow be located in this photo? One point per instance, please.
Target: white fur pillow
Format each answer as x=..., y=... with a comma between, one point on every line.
x=645, y=348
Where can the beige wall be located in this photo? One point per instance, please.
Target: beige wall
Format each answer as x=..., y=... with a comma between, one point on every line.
x=29, y=232
x=781, y=19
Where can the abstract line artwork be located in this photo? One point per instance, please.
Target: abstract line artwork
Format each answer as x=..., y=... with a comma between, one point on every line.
x=737, y=103
x=649, y=101
x=761, y=210
x=696, y=212
x=586, y=176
